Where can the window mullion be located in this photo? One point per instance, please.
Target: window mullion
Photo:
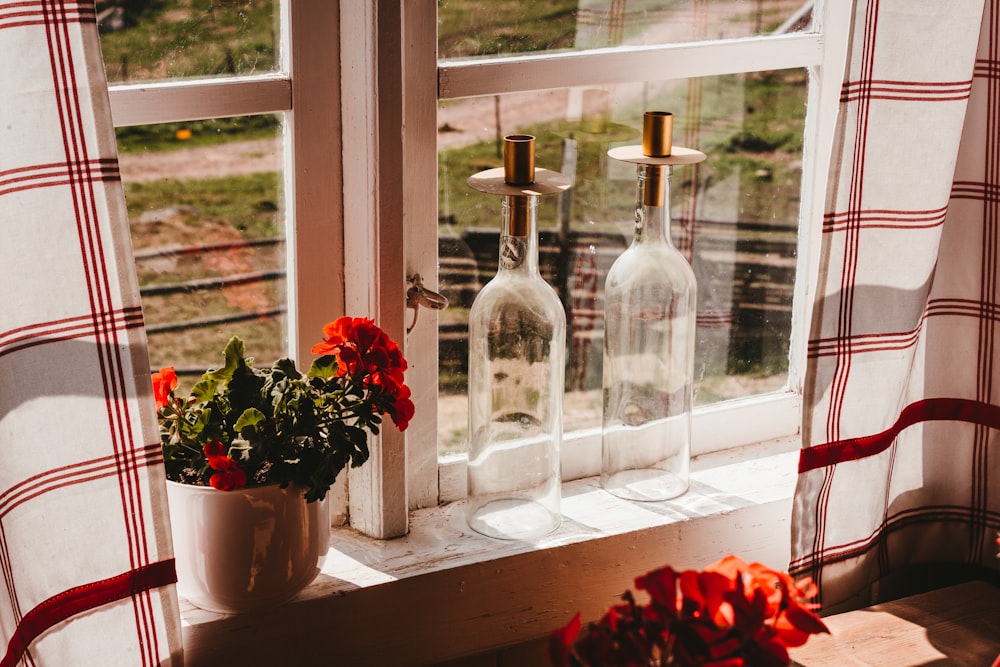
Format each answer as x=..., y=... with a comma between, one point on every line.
x=420, y=222
x=374, y=270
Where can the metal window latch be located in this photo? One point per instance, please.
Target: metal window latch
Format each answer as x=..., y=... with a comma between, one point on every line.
x=418, y=295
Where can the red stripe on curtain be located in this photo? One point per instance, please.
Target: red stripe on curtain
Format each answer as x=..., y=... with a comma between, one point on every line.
x=76, y=473
x=84, y=598
x=21, y=14
x=910, y=91
x=880, y=342
x=852, y=227
x=931, y=409
x=69, y=328
x=78, y=153
x=826, y=347
x=95, y=170
x=881, y=219
x=928, y=514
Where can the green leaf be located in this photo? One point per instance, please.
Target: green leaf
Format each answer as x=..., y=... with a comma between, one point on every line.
x=287, y=368
x=234, y=354
x=206, y=388
x=250, y=417
x=324, y=368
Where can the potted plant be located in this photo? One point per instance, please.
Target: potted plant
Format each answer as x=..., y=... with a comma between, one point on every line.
x=731, y=613
x=250, y=454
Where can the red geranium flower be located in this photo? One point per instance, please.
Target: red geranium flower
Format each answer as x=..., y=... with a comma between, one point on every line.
x=366, y=353
x=402, y=409
x=561, y=640
x=164, y=383
x=361, y=347
x=215, y=450
x=730, y=614
x=230, y=476
x=229, y=480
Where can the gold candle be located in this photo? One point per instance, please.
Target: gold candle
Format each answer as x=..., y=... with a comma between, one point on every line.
x=518, y=169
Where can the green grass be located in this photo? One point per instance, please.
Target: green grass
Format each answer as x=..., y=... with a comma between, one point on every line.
x=248, y=203
x=487, y=27
x=189, y=38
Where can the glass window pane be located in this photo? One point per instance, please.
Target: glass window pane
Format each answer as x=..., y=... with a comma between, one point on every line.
x=204, y=205
x=469, y=28
x=170, y=39
x=734, y=216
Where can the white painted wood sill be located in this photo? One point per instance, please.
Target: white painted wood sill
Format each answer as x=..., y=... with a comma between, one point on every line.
x=444, y=592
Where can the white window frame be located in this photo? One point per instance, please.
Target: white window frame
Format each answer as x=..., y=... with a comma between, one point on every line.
x=720, y=426
x=357, y=71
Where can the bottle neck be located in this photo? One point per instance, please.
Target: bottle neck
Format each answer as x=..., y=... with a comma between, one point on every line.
x=519, y=234
x=652, y=213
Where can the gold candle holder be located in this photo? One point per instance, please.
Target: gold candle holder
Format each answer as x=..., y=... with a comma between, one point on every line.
x=657, y=133
x=519, y=159
x=518, y=170
x=657, y=154
x=657, y=140
x=518, y=180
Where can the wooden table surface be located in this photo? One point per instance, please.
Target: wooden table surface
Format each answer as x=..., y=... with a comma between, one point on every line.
x=959, y=625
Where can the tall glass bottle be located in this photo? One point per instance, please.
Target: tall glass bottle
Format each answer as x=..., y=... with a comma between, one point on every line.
x=517, y=330
x=649, y=333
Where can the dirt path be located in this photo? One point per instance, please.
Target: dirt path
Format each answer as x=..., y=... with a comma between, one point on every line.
x=228, y=159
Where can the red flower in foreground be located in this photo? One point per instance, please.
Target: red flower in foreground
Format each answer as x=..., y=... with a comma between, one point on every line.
x=731, y=614
x=164, y=383
x=561, y=640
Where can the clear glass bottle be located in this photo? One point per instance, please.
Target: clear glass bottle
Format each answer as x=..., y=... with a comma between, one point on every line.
x=517, y=330
x=649, y=333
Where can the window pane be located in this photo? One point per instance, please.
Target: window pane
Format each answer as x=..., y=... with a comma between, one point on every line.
x=492, y=27
x=168, y=39
x=734, y=216
x=208, y=236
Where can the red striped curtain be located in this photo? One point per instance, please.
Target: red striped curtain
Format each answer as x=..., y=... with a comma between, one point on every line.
x=85, y=550
x=900, y=469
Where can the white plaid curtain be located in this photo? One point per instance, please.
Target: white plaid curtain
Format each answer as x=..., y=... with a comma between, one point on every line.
x=901, y=460
x=85, y=553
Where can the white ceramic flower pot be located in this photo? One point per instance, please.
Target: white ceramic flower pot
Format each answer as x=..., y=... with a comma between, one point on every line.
x=245, y=550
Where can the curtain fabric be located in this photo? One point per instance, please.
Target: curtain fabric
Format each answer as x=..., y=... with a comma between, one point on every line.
x=900, y=464
x=84, y=541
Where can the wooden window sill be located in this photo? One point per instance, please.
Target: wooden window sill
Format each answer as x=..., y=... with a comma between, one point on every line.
x=443, y=592
x=957, y=625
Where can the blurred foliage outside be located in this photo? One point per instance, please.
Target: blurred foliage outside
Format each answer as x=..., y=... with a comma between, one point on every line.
x=750, y=126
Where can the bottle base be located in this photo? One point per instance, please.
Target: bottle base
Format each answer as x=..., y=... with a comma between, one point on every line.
x=513, y=519
x=644, y=485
